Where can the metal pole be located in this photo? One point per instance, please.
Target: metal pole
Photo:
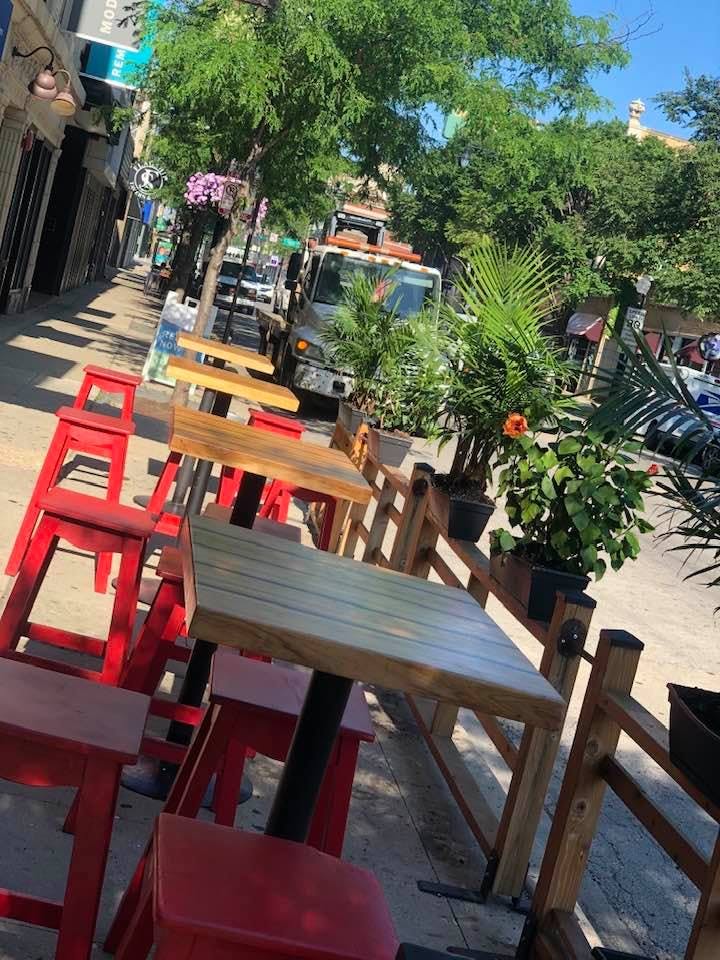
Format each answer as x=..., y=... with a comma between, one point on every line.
x=246, y=254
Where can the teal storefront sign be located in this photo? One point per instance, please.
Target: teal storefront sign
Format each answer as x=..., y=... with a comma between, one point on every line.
x=115, y=65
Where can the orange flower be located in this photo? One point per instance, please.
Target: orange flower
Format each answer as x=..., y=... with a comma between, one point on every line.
x=653, y=470
x=515, y=425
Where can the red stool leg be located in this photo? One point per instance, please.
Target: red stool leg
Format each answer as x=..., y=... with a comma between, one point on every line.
x=128, y=402
x=147, y=661
x=229, y=782
x=185, y=797
x=25, y=589
x=162, y=487
x=124, y=610
x=230, y=479
x=98, y=796
x=83, y=393
x=341, y=793
x=46, y=478
x=103, y=561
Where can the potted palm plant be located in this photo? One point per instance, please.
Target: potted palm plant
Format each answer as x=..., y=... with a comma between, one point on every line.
x=504, y=373
x=397, y=366
x=576, y=504
x=651, y=396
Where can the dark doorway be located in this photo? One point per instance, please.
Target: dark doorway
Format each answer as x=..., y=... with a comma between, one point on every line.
x=21, y=224
x=55, y=241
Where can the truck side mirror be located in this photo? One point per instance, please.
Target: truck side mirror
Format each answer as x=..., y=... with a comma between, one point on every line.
x=290, y=285
x=293, y=270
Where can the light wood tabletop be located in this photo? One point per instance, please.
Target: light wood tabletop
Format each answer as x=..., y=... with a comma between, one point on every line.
x=233, y=444
x=256, y=391
x=248, y=359
x=353, y=620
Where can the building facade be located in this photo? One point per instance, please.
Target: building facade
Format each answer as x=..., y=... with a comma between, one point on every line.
x=62, y=181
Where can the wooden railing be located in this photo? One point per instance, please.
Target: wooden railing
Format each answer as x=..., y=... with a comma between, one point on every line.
x=416, y=530
x=552, y=931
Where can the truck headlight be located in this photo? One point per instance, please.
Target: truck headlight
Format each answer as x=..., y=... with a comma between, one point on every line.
x=303, y=348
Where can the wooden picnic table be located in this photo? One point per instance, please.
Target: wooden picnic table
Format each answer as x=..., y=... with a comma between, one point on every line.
x=232, y=384
x=260, y=455
x=249, y=359
x=349, y=621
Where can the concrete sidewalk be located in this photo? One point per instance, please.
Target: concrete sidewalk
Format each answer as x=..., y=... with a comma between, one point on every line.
x=403, y=822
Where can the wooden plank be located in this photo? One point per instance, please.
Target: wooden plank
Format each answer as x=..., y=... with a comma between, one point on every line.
x=358, y=512
x=444, y=718
x=561, y=938
x=378, y=527
x=206, y=437
x=405, y=546
x=578, y=808
x=685, y=854
x=507, y=750
x=651, y=736
x=537, y=753
x=222, y=381
x=448, y=577
x=325, y=616
x=704, y=943
x=249, y=359
x=476, y=810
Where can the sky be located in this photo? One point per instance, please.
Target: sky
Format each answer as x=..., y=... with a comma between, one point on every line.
x=688, y=36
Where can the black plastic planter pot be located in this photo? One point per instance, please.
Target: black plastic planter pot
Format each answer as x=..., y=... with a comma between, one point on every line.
x=533, y=586
x=467, y=519
x=695, y=736
x=389, y=449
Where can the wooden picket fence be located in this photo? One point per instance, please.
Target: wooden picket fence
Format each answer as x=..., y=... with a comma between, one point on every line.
x=420, y=525
x=552, y=931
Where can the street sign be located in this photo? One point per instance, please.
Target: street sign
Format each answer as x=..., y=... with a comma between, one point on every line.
x=233, y=189
x=146, y=181
x=634, y=323
x=115, y=65
x=290, y=243
x=6, y=12
x=108, y=21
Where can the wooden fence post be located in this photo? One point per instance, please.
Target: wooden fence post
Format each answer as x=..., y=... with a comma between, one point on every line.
x=704, y=943
x=381, y=518
x=357, y=452
x=583, y=788
x=538, y=749
x=358, y=511
x=405, y=545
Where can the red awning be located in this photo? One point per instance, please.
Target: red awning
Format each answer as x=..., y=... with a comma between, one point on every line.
x=588, y=325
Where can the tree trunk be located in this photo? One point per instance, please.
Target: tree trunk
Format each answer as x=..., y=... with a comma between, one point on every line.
x=186, y=253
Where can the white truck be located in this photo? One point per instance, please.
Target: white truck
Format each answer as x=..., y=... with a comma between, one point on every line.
x=295, y=341
x=704, y=388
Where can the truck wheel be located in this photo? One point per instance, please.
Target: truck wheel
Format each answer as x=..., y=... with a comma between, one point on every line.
x=286, y=368
x=263, y=344
x=652, y=437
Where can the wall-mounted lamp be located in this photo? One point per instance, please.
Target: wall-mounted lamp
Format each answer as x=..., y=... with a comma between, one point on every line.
x=44, y=85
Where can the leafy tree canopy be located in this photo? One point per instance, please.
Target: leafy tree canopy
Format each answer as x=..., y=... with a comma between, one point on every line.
x=696, y=106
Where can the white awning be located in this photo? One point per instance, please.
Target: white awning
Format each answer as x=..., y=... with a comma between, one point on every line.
x=588, y=325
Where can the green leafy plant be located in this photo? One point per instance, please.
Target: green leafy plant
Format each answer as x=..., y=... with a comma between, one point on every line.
x=501, y=361
x=399, y=373
x=575, y=502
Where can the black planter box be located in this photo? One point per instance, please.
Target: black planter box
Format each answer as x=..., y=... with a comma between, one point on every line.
x=532, y=586
x=694, y=747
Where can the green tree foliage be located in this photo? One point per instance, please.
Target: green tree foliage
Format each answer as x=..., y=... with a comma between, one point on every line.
x=606, y=207
x=696, y=106
x=294, y=91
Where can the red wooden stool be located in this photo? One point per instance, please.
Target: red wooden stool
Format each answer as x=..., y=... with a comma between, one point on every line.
x=231, y=477
x=84, y=432
x=231, y=895
x=277, y=504
x=88, y=524
x=110, y=381
x=61, y=731
x=219, y=745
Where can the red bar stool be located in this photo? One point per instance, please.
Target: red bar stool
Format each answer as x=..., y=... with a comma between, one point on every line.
x=60, y=731
x=109, y=381
x=84, y=432
x=230, y=477
x=218, y=893
x=88, y=524
x=277, y=504
x=267, y=715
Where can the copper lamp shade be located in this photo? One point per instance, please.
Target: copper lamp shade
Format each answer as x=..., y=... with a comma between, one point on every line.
x=64, y=104
x=44, y=87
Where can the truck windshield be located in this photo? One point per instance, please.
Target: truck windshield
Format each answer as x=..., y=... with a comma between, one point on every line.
x=412, y=290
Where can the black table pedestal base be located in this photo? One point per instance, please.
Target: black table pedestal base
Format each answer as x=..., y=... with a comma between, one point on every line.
x=310, y=751
x=153, y=779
